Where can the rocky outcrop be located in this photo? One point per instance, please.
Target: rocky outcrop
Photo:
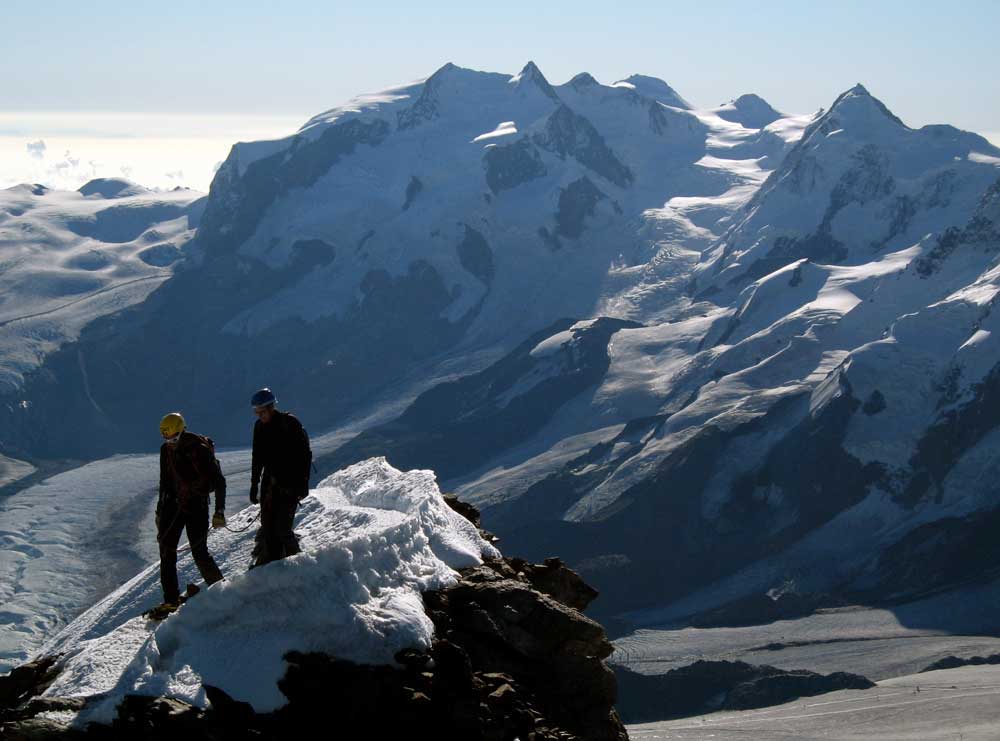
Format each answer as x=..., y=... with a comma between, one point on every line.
x=706, y=686
x=953, y=662
x=513, y=658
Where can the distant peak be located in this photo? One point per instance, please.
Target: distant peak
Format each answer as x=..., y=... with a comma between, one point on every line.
x=531, y=75
x=441, y=73
x=657, y=89
x=583, y=81
x=750, y=99
x=858, y=103
x=35, y=189
x=111, y=188
x=445, y=68
x=750, y=111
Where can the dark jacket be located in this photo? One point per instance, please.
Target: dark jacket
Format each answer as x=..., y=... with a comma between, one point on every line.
x=189, y=471
x=281, y=450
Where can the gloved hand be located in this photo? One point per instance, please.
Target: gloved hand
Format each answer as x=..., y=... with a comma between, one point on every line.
x=254, y=499
x=303, y=492
x=219, y=520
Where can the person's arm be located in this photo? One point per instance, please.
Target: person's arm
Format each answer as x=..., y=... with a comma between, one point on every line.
x=163, y=486
x=211, y=463
x=219, y=519
x=163, y=471
x=302, y=455
x=306, y=455
x=256, y=463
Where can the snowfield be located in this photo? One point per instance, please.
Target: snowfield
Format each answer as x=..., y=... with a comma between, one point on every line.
x=69, y=257
x=948, y=704
x=373, y=538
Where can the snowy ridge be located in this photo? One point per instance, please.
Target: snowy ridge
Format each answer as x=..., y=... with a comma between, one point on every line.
x=373, y=538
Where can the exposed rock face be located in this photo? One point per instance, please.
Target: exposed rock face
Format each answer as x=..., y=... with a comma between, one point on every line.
x=953, y=662
x=494, y=620
x=705, y=686
x=455, y=427
x=576, y=202
x=511, y=165
x=514, y=658
x=569, y=134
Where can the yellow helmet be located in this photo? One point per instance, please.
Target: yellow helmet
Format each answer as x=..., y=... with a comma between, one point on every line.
x=172, y=424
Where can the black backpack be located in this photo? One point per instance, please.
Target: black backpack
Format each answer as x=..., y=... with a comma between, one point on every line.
x=215, y=475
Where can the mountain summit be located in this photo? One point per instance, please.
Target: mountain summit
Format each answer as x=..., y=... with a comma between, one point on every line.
x=750, y=111
x=656, y=89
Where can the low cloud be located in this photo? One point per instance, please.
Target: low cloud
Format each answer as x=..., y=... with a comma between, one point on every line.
x=36, y=149
x=175, y=174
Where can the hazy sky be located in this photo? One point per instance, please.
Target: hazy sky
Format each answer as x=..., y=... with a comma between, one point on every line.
x=227, y=71
x=929, y=62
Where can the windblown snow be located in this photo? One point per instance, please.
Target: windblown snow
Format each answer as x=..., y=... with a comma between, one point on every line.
x=373, y=539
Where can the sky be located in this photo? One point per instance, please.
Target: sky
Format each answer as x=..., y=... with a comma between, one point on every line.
x=226, y=71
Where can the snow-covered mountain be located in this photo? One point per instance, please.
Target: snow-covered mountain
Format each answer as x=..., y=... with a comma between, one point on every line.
x=450, y=217
x=70, y=257
x=700, y=354
x=817, y=411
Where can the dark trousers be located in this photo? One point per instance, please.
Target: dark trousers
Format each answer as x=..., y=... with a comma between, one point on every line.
x=172, y=521
x=275, y=538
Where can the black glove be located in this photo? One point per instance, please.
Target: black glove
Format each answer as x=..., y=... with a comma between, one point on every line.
x=254, y=499
x=303, y=492
x=219, y=520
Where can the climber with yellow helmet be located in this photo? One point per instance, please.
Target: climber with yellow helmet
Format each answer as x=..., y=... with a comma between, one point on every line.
x=189, y=471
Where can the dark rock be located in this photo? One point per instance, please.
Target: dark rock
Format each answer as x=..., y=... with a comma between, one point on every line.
x=577, y=201
x=706, y=686
x=953, y=662
x=463, y=508
x=547, y=653
x=556, y=580
x=874, y=404
x=26, y=681
x=475, y=255
x=774, y=689
x=567, y=133
x=413, y=189
x=160, y=718
x=510, y=165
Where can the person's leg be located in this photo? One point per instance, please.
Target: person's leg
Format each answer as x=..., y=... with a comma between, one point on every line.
x=263, y=549
x=171, y=526
x=197, y=532
x=286, y=503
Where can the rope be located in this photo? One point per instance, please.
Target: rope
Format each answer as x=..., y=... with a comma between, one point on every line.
x=255, y=518
x=189, y=545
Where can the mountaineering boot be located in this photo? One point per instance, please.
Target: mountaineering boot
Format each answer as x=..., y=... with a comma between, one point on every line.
x=161, y=611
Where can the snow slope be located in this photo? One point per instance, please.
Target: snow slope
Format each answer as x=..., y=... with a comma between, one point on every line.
x=68, y=257
x=946, y=704
x=373, y=538
x=877, y=642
